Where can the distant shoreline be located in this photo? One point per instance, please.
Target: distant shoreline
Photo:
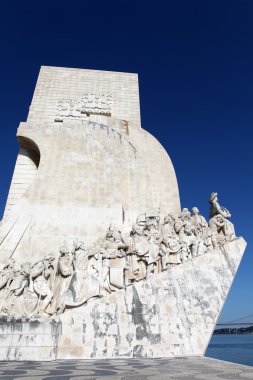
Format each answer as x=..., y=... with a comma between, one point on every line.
x=234, y=331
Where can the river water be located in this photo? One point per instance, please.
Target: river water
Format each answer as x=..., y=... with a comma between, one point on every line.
x=232, y=348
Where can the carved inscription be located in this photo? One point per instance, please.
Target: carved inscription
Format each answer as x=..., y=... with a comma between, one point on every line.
x=89, y=103
x=96, y=103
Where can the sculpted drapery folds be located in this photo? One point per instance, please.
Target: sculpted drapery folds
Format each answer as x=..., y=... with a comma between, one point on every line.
x=115, y=268
x=139, y=251
x=220, y=225
x=186, y=234
x=170, y=245
x=114, y=262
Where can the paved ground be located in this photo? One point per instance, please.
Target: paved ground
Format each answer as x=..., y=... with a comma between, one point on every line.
x=126, y=369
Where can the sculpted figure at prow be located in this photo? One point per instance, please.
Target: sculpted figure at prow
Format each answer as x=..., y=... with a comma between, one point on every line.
x=222, y=228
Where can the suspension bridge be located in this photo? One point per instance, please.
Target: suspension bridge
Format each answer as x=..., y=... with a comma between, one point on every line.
x=238, y=322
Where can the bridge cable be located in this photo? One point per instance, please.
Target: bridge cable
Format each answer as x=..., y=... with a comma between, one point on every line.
x=239, y=319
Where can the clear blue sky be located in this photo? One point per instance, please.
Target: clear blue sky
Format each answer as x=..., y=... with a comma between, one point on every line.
x=195, y=66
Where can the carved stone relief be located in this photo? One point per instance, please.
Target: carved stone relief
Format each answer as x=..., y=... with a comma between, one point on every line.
x=88, y=103
x=51, y=285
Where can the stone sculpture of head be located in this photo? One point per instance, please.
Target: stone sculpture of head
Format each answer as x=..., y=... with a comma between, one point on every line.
x=213, y=197
x=77, y=244
x=136, y=229
x=64, y=251
x=50, y=258
x=195, y=211
x=185, y=214
x=153, y=217
x=141, y=220
x=10, y=264
x=113, y=233
x=169, y=219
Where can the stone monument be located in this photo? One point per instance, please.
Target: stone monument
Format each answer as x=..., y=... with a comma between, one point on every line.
x=97, y=258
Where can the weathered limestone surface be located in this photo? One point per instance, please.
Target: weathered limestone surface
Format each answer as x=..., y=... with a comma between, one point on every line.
x=25, y=339
x=76, y=172
x=86, y=171
x=171, y=314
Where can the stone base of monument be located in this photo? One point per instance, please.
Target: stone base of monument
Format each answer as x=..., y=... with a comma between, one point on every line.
x=171, y=314
x=25, y=339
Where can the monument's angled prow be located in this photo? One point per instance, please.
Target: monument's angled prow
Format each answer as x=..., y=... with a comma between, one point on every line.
x=97, y=258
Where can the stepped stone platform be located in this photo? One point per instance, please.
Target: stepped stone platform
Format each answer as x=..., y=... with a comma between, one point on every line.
x=191, y=368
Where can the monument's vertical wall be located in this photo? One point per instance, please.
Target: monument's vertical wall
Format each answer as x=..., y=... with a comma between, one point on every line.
x=56, y=83
x=85, y=162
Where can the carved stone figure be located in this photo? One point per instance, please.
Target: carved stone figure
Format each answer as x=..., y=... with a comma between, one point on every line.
x=20, y=281
x=114, y=260
x=6, y=273
x=84, y=283
x=215, y=208
x=42, y=280
x=6, y=276
x=186, y=233
x=170, y=243
x=80, y=264
x=139, y=252
x=64, y=274
x=152, y=218
x=95, y=262
x=202, y=231
x=228, y=228
x=153, y=235
x=49, y=271
x=141, y=220
x=199, y=222
x=220, y=232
